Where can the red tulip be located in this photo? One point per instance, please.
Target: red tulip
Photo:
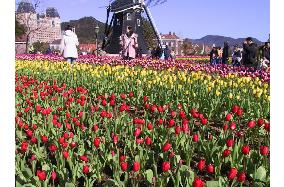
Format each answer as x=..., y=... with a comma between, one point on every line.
x=124, y=166
x=195, y=137
x=251, y=124
x=204, y=121
x=149, y=126
x=171, y=123
x=210, y=168
x=145, y=98
x=139, y=140
x=166, y=166
x=172, y=154
x=73, y=144
x=115, y=139
x=29, y=133
x=260, y=122
x=41, y=175
x=240, y=112
x=34, y=140
x=197, y=182
x=245, y=149
x=230, y=143
x=264, y=150
x=166, y=147
x=232, y=173
x=86, y=169
x=177, y=130
x=131, y=94
x=148, y=141
x=233, y=126
x=137, y=132
x=225, y=127
x=136, y=166
x=201, y=164
x=52, y=147
x=122, y=158
x=228, y=117
x=242, y=177
x=53, y=175
x=226, y=152
x=235, y=109
x=267, y=127
x=24, y=146
x=97, y=142
x=84, y=158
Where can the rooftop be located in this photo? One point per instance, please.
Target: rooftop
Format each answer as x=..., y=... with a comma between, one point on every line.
x=170, y=36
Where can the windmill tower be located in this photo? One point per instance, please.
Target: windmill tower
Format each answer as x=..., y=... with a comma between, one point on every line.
x=126, y=13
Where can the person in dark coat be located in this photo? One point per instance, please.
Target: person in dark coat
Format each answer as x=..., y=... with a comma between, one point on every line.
x=266, y=51
x=167, y=53
x=213, y=55
x=158, y=52
x=249, y=52
x=236, y=56
x=225, y=54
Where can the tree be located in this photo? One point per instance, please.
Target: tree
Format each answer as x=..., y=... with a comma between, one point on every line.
x=40, y=46
x=149, y=33
x=19, y=29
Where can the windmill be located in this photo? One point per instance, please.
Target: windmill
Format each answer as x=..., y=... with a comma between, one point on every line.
x=127, y=13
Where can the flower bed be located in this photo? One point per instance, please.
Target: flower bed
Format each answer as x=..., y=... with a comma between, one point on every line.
x=116, y=123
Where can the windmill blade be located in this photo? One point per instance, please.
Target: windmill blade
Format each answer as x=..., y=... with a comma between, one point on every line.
x=149, y=15
x=155, y=2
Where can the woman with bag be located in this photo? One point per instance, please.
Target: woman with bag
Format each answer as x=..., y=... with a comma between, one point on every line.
x=129, y=44
x=69, y=45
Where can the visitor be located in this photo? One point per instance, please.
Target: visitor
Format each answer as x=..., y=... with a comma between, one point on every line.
x=173, y=55
x=219, y=57
x=69, y=43
x=149, y=53
x=158, y=52
x=264, y=55
x=236, y=56
x=167, y=52
x=48, y=51
x=249, y=53
x=213, y=53
x=225, y=54
x=129, y=44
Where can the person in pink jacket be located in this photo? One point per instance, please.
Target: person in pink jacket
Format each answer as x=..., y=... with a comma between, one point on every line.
x=129, y=45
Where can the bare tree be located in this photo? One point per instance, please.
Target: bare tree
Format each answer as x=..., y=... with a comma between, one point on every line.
x=29, y=20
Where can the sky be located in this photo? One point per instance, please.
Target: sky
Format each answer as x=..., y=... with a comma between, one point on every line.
x=187, y=18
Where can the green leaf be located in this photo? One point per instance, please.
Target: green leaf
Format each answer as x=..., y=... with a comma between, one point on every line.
x=260, y=174
x=212, y=183
x=67, y=184
x=27, y=173
x=149, y=175
x=46, y=167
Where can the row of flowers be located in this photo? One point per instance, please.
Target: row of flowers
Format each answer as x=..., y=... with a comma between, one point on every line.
x=79, y=126
x=185, y=65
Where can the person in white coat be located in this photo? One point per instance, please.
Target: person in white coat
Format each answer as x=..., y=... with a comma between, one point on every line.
x=69, y=43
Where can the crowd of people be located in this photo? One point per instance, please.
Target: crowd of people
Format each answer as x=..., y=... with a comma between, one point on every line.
x=249, y=54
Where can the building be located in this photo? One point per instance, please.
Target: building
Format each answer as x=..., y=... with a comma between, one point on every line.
x=44, y=27
x=173, y=42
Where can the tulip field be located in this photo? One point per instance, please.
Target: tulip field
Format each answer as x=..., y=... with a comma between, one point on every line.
x=107, y=122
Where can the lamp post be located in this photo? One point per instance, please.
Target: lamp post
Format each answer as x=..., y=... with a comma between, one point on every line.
x=97, y=29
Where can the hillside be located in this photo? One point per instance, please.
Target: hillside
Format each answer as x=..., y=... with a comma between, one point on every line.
x=219, y=40
x=85, y=29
